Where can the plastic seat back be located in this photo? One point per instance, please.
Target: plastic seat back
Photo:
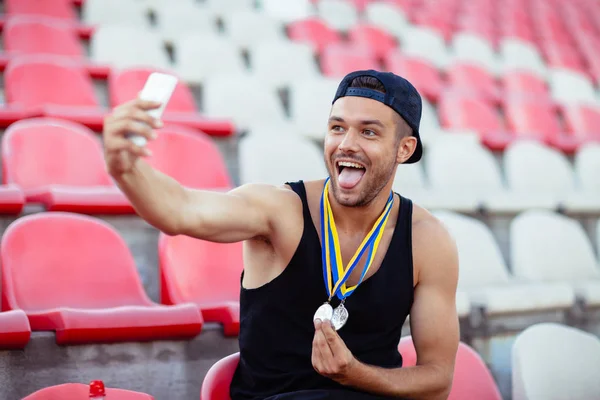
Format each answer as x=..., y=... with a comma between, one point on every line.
x=582, y=120
x=387, y=16
x=75, y=158
x=280, y=62
x=466, y=112
x=75, y=391
x=529, y=117
x=587, y=167
x=541, y=371
x=244, y=27
x=33, y=81
x=525, y=84
x=539, y=240
x=338, y=60
x=472, y=379
x=372, y=37
x=315, y=32
x=125, y=85
x=54, y=260
x=190, y=157
x=218, y=378
x=31, y=35
x=473, y=78
x=339, y=14
x=59, y=9
x=116, y=12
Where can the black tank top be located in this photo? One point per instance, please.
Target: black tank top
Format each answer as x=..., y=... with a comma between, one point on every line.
x=276, y=319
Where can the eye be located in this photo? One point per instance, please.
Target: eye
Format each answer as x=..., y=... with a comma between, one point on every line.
x=337, y=128
x=369, y=132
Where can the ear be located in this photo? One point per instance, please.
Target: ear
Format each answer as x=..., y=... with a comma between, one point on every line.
x=406, y=148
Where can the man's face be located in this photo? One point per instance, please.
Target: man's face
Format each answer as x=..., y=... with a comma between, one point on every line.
x=361, y=148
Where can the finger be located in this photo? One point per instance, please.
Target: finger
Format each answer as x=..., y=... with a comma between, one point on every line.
x=122, y=144
x=125, y=127
x=332, y=338
x=136, y=114
x=139, y=151
x=147, y=104
x=322, y=344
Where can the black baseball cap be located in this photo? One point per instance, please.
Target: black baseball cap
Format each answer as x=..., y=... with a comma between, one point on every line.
x=399, y=94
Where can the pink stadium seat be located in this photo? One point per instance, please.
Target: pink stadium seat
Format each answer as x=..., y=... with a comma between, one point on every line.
x=313, y=31
x=472, y=379
x=70, y=177
x=218, y=378
x=61, y=9
x=125, y=85
x=538, y=120
x=461, y=111
x=582, y=121
x=74, y=274
x=371, y=37
x=76, y=391
x=52, y=86
x=421, y=73
x=14, y=330
x=189, y=156
x=338, y=60
x=474, y=79
x=12, y=199
x=517, y=83
x=205, y=273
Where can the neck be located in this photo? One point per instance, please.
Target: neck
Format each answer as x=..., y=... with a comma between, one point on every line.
x=358, y=219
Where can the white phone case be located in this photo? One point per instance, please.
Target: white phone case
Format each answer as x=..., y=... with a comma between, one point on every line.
x=158, y=87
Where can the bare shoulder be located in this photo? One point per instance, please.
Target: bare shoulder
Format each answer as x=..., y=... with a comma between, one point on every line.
x=269, y=195
x=434, y=249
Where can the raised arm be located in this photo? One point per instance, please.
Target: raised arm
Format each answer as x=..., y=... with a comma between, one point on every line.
x=243, y=213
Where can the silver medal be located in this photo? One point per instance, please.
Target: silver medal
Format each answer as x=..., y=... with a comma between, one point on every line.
x=340, y=316
x=325, y=312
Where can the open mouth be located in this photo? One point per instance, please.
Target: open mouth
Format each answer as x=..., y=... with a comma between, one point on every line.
x=349, y=173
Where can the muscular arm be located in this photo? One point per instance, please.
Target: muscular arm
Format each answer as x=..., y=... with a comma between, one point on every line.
x=434, y=326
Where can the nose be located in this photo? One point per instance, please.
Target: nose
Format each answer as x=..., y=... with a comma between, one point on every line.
x=350, y=142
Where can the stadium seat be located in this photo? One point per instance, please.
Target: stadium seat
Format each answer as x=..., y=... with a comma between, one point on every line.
x=123, y=46
x=339, y=14
x=426, y=43
x=222, y=99
x=541, y=371
x=52, y=86
x=387, y=16
x=124, y=85
x=471, y=380
x=15, y=331
x=192, y=50
x=310, y=104
x=277, y=160
x=484, y=275
x=245, y=28
x=115, y=12
x=473, y=49
x=422, y=74
x=59, y=9
x=568, y=87
x=338, y=60
x=218, y=378
x=204, y=273
x=222, y=7
x=520, y=55
x=472, y=78
x=181, y=18
x=520, y=83
x=315, y=32
x=288, y=11
x=190, y=157
x=463, y=111
x=583, y=121
x=12, y=199
x=372, y=37
x=538, y=242
x=587, y=167
x=280, y=62
x=534, y=168
x=72, y=391
x=99, y=296
x=72, y=177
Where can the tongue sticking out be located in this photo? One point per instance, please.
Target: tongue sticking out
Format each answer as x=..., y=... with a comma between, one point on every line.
x=349, y=177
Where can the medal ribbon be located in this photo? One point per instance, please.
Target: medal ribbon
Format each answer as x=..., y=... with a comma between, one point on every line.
x=334, y=274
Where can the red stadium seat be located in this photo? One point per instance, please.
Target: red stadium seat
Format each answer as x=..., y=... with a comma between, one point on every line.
x=70, y=177
x=14, y=330
x=338, y=60
x=75, y=391
x=125, y=85
x=420, y=72
x=459, y=111
x=53, y=86
x=74, y=274
x=474, y=79
x=313, y=31
x=518, y=83
x=189, y=156
x=472, y=379
x=205, y=273
x=47, y=8
x=538, y=120
x=12, y=199
x=218, y=378
x=582, y=121
x=371, y=37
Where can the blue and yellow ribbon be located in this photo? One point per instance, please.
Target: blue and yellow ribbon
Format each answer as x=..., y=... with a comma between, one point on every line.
x=334, y=274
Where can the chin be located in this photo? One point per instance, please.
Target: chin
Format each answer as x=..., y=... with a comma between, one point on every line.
x=354, y=197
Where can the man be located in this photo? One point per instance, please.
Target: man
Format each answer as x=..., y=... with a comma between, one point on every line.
x=333, y=267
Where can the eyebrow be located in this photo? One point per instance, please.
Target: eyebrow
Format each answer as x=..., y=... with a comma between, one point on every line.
x=363, y=122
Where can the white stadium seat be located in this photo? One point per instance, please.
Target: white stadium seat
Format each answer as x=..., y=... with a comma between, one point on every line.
x=555, y=362
x=223, y=7
x=339, y=14
x=474, y=49
x=388, y=17
x=115, y=12
x=310, y=104
x=246, y=28
x=519, y=55
x=554, y=248
x=427, y=44
x=193, y=51
x=276, y=160
x=484, y=276
x=587, y=168
x=175, y=19
x=128, y=46
x=571, y=87
x=278, y=63
x=287, y=11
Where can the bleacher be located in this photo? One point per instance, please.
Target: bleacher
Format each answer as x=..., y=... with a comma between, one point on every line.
x=511, y=133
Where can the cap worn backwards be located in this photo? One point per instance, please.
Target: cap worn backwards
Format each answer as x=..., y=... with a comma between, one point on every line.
x=399, y=94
